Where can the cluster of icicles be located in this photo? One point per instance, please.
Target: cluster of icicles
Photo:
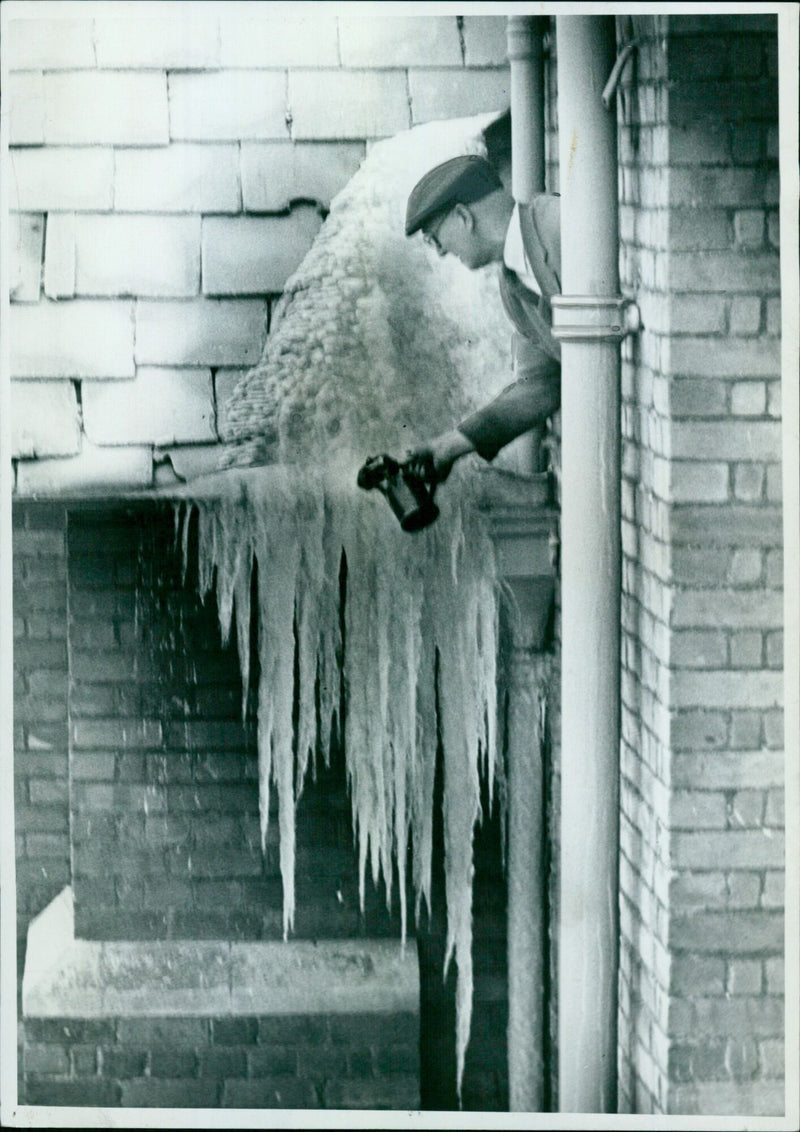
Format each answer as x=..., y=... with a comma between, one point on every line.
x=377, y=344
x=418, y=639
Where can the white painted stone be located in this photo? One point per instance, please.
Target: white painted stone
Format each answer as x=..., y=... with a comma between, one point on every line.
x=52, y=44
x=275, y=173
x=347, y=104
x=485, y=41
x=422, y=41
x=160, y=406
x=48, y=179
x=454, y=94
x=205, y=332
x=25, y=107
x=184, y=39
x=93, y=471
x=105, y=107
x=249, y=255
x=45, y=420
x=308, y=41
x=227, y=104
x=137, y=255
x=25, y=241
x=59, y=259
x=177, y=178
x=185, y=462
x=75, y=339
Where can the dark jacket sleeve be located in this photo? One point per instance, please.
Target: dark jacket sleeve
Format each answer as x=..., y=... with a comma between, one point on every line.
x=521, y=405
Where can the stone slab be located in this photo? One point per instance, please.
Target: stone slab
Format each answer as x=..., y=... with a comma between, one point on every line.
x=72, y=978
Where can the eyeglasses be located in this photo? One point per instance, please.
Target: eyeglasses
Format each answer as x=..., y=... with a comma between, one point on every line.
x=431, y=234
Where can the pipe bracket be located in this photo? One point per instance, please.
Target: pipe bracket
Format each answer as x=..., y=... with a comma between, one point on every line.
x=592, y=318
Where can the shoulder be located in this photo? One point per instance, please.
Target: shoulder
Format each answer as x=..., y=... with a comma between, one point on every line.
x=546, y=211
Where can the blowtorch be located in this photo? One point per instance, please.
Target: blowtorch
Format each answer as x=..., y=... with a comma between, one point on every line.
x=409, y=493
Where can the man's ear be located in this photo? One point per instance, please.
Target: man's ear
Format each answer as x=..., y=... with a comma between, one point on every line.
x=464, y=213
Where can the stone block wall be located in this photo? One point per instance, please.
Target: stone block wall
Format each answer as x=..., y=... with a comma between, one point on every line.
x=702, y=792
x=167, y=174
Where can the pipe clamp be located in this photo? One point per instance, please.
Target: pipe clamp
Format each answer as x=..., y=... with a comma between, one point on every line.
x=592, y=318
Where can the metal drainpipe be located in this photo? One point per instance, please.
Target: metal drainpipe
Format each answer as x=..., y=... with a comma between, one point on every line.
x=527, y=924
x=526, y=65
x=589, y=319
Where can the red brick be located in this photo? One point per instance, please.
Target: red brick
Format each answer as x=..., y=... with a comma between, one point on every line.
x=266, y=1092
x=225, y=1062
x=121, y=1063
x=149, y=1092
x=110, y=733
x=737, y=101
x=172, y=1063
x=85, y=1092
x=272, y=1061
x=46, y=1059
x=234, y=1031
x=297, y=1029
x=388, y=1092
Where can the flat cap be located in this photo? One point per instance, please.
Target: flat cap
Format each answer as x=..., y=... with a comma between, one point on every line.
x=458, y=181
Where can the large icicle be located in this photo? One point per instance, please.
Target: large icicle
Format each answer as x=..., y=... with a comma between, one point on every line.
x=376, y=344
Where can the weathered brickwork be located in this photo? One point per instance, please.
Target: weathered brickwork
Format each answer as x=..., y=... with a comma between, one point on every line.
x=41, y=740
x=180, y=166
x=163, y=792
x=644, y=792
x=291, y=1061
x=144, y=757
x=702, y=854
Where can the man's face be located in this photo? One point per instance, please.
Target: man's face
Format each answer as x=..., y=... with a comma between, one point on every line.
x=455, y=233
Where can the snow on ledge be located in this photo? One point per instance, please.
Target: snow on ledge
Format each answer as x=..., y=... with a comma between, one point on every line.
x=74, y=978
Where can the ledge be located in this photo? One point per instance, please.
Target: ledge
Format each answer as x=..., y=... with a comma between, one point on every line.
x=89, y=979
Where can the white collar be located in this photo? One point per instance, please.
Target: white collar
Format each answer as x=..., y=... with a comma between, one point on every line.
x=514, y=256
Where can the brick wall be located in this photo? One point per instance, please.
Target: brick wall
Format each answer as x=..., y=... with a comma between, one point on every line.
x=702, y=817
x=298, y=1061
x=137, y=784
x=41, y=741
x=148, y=245
x=163, y=793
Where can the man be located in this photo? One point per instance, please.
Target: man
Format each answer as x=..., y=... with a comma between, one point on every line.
x=462, y=208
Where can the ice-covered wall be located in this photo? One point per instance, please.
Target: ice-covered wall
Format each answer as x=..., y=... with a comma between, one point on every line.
x=147, y=249
x=379, y=343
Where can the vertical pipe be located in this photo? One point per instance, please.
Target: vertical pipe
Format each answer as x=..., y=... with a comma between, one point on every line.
x=526, y=66
x=527, y=889
x=526, y=897
x=590, y=556
x=524, y=37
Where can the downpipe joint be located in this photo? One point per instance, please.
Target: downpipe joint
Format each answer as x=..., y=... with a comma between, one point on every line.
x=593, y=318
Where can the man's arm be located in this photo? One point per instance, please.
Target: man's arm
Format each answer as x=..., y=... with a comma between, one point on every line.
x=534, y=396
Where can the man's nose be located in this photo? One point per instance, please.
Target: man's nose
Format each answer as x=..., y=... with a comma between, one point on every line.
x=440, y=251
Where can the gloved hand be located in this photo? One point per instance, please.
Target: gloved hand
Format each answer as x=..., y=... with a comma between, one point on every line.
x=434, y=460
